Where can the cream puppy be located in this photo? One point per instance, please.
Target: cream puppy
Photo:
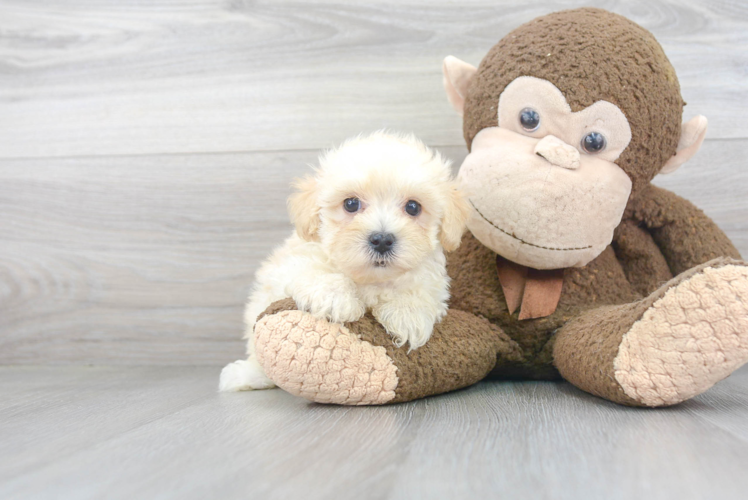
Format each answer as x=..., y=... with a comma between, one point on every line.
x=371, y=228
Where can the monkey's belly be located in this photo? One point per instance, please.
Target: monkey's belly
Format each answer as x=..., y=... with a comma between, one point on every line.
x=604, y=281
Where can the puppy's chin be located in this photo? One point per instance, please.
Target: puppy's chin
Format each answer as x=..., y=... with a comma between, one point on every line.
x=376, y=271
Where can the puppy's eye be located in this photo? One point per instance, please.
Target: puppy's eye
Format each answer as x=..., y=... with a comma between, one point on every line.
x=529, y=119
x=594, y=142
x=352, y=205
x=412, y=208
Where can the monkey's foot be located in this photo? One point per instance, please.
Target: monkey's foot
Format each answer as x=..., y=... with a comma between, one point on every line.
x=686, y=336
x=322, y=361
x=359, y=364
x=691, y=337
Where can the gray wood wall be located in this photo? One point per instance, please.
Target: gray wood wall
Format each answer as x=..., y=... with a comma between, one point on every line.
x=146, y=146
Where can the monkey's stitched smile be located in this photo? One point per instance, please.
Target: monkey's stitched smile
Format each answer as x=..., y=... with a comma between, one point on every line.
x=520, y=239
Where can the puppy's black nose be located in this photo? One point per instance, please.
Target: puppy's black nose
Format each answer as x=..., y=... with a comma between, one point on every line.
x=381, y=242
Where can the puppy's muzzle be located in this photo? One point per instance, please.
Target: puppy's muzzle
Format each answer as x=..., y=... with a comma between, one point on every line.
x=381, y=243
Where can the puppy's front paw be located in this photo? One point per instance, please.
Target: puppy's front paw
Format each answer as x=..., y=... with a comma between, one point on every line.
x=331, y=297
x=405, y=324
x=244, y=375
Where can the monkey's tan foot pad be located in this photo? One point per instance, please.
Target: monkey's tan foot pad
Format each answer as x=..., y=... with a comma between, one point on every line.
x=691, y=337
x=322, y=361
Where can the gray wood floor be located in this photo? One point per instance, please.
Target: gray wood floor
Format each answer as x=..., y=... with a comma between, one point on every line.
x=164, y=432
x=145, y=153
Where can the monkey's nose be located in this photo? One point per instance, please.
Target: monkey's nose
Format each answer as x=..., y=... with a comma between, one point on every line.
x=381, y=242
x=557, y=152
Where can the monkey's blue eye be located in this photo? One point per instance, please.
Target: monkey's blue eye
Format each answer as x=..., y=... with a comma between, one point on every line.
x=529, y=119
x=594, y=142
x=352, y=205
x=412, y=208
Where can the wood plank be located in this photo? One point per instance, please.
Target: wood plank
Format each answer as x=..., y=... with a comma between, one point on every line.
x=139, y=256
x=176, y=76
x=725, y=405
x=166, y=433
x=148, y=259
x=48, y=414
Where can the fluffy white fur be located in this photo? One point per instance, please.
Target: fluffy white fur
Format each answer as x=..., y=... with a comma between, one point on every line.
x=327, y=265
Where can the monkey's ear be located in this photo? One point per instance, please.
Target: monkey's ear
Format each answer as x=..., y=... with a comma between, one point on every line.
x=691, y=136
x=457, y=75
x=303, y=208
x=455, y=218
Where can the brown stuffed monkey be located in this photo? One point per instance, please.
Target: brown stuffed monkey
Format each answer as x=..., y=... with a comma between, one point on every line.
x=575, y=266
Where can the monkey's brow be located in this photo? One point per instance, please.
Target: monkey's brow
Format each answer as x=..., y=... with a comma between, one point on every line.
x=520, y=239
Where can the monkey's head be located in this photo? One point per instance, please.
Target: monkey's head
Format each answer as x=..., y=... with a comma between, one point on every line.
x=567, y=118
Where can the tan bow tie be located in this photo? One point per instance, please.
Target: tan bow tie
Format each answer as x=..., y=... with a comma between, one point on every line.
x=537, y=290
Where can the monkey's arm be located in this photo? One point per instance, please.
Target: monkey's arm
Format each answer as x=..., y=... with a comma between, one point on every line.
x=684, y=234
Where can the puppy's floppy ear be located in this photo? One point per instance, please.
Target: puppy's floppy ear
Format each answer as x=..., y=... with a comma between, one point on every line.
x=304, y=209
x=456, y=213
